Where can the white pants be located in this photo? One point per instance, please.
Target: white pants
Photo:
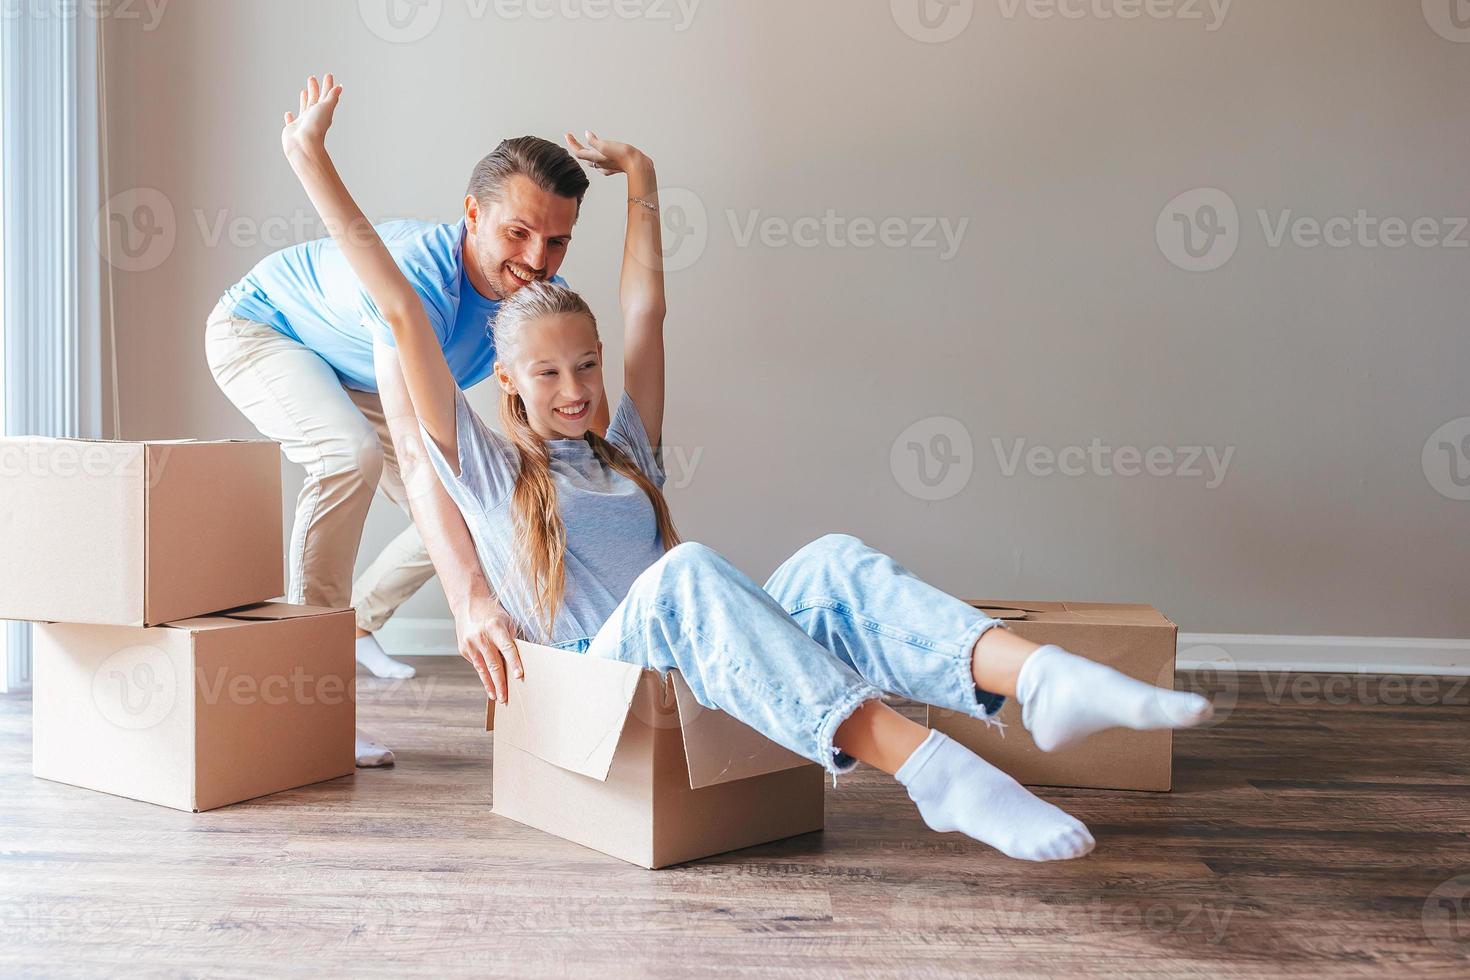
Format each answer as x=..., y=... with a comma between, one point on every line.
x=341, y=438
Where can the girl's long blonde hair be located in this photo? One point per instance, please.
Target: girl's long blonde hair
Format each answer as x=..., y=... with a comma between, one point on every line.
x=541, y=537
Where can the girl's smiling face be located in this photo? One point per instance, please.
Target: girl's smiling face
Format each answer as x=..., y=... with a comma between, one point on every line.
x=558, y=374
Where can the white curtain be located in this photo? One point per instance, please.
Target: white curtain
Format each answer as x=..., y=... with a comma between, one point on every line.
x=52, y=271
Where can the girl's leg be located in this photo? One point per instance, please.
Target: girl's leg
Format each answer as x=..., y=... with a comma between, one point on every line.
x=906, y=636
x=741, y=653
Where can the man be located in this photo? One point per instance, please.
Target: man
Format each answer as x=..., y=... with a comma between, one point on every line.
x=292, y=346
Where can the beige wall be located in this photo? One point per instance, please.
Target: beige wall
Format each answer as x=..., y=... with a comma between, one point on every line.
x=1060, y=320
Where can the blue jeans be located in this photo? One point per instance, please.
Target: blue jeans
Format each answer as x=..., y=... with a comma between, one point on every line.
x=838, y=624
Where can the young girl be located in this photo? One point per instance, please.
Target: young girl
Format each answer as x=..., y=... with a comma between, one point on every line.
x=576, y=539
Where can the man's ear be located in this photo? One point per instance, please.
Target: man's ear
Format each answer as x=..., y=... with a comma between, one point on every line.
x=471, y=213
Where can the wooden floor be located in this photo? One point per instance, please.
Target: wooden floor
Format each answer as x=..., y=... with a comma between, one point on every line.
x=1302, y=839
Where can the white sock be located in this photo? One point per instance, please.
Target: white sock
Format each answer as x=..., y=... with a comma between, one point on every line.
x=371, y=754
x=371, y=655
x=1065, y=698
x=955, y=789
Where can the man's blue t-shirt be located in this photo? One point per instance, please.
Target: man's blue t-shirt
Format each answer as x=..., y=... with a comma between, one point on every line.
x=309, y=293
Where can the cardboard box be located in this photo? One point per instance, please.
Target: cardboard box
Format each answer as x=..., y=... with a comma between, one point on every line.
x=1135, y=639
x=620, y=760
x=200, y=713
x=137, y=533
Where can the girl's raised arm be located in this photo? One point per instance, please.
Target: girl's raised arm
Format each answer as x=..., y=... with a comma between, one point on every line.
x=643, y=276
x=431, y=386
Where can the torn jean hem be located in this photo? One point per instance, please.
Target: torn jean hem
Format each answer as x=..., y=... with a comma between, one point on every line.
x=986, y=704
x=831, y=758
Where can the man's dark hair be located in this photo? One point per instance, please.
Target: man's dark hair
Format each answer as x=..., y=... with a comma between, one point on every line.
x=551, y=167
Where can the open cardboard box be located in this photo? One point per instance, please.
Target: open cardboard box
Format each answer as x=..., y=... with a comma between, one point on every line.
x=1133, y=638
x=624, y=761
x=200, y=713
x=137, y=533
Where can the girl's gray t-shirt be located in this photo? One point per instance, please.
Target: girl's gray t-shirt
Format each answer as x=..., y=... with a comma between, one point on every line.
x=612, y=532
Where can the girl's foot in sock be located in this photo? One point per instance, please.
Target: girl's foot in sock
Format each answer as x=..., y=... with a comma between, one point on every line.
x=955, y=789
x=371, y=754
x=371, y=655
x=1065, y=698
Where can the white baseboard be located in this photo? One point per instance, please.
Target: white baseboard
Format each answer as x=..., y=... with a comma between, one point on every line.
x=403, y=637
x=1221, y=651
x=1324, y=654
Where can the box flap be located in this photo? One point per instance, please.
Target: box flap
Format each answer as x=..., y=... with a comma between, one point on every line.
x=720, y=749
x=569, y=709
x=1113, y=613
x=264, y=612
x=1001, y=612
x=278, y=610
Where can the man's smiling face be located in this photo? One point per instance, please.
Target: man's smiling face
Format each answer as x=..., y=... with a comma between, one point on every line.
x=520, y=238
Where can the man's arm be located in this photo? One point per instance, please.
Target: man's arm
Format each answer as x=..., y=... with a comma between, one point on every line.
x=484, y=631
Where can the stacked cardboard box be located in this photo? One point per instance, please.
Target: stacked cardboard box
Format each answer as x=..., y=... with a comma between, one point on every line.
x=161, y=671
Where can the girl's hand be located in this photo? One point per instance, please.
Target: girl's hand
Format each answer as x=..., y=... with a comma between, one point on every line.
x=487, y=639
x=307, y=128
x=606, y=156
